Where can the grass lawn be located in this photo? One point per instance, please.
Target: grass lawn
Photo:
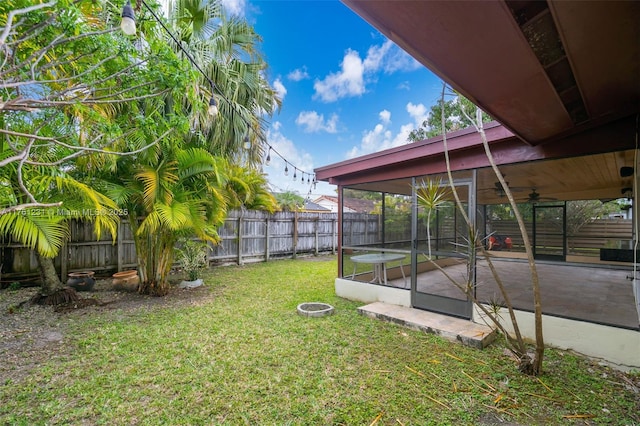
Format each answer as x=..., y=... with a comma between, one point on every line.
x=242, y=355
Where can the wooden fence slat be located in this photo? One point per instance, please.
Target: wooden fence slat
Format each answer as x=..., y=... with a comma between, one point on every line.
x=259, y=236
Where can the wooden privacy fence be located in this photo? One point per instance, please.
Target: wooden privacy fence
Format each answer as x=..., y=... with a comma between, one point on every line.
x=246, y=236
x=254, y=235
x=250, y=236
x=595, y=235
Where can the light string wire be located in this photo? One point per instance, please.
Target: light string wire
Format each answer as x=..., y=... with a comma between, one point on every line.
x=215, y=87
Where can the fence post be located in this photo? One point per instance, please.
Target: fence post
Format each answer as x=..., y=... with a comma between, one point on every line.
x=240, y=240
x=333, y=236
x=266, y=239
x=366, y=228
x=120, y=243
x=316, y=235
x=295, y=233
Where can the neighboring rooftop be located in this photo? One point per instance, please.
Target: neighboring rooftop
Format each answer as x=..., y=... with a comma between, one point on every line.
x=351, y=205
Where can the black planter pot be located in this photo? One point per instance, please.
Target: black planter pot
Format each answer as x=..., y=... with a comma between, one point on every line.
x=81, y=281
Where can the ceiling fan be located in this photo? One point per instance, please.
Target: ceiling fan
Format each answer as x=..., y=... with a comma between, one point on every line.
x=534, y=197
x=499, y=191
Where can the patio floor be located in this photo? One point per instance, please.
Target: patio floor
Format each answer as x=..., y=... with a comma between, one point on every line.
x=597, y=294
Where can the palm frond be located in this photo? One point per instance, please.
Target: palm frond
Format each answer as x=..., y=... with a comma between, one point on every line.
x=39, y=230
x=194, y=162
x=150, y=224
x=174, y=216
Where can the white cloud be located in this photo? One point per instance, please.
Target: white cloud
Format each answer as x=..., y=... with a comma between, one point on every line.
x=298, y=74
x=376, y=56
x=385, y=116
x=381, y=137
x=313, y=122
x=378, y=139
x=349, y=81
x=389, y=58
x=418, y=112
x=355, y=72
x=405, y=85
x=397, y=59
x=281, y=91
x=235, y=7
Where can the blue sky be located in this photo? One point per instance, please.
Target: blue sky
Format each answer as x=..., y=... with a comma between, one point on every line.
x=346, y=89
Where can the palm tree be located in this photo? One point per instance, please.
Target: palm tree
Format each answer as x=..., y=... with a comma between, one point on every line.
x=247, y=188
x=63, y=81
x=289, y=201
x=226, y=50
x=45, y=230
x=180, y=194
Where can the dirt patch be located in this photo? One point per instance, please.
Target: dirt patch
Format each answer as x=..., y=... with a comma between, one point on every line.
x=31, y=334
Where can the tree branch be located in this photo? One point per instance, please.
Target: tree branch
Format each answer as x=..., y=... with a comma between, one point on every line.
x=56, y=42
x=19, y=173
x=7, y=28
x=119, y=153
x=34, y=104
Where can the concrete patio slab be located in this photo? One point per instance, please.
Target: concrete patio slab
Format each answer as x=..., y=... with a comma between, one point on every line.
x=455, y=329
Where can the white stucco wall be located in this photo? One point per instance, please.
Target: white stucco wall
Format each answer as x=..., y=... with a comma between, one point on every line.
x=369, y=293
x=618, y=347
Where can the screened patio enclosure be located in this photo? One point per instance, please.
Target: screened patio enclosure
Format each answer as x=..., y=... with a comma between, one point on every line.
x=566, y=103
x=433, y=256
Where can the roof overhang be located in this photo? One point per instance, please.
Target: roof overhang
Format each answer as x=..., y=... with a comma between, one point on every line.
x=543, y=69
x=562, y=78
x=577, y=167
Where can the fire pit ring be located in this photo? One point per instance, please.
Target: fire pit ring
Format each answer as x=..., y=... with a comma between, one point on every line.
x=315, y=309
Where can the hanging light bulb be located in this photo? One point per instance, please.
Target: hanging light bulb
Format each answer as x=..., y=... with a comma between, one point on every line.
x=128, y=23
x=294, y=173
x=213, y=106
x=268, y=160
x=247, y=142
x=286, y=169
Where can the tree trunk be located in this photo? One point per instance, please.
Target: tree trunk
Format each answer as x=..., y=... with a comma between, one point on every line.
x=52, y=290
x=527, y=365
x=155, y=256
x=49, y=281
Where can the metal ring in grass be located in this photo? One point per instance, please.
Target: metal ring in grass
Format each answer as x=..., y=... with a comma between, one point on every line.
x=315, y=309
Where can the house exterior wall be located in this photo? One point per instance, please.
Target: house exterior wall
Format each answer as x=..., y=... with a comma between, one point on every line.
x=617, y=346
x=369, y=293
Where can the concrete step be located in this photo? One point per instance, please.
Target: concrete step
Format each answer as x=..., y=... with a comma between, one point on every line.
x=452, y=328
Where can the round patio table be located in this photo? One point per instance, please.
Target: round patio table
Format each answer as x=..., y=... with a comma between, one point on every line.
x=379, y=262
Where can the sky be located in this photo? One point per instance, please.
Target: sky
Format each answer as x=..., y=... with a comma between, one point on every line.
x=346, y=89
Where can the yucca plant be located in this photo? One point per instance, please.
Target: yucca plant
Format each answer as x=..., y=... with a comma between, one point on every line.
x=192, y=255
x=431, y=194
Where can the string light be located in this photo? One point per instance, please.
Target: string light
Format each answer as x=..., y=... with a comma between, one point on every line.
x=128, y=26
x=213, y=105
x=128, y=22
x=295, y=170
